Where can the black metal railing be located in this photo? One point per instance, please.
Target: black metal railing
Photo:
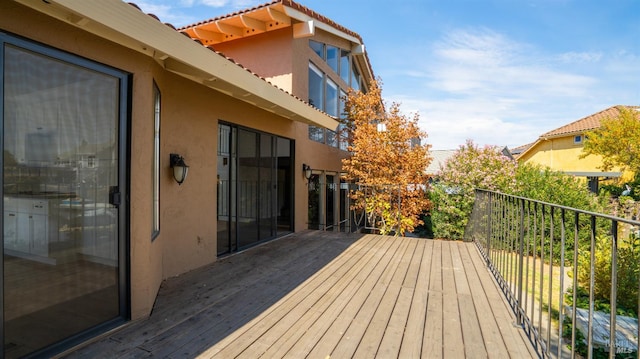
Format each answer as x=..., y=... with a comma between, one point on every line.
x=571, y=276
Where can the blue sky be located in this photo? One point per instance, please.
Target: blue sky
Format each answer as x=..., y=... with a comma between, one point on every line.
x=498, y=72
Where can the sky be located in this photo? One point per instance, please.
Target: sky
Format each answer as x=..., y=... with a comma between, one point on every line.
x=497, y=72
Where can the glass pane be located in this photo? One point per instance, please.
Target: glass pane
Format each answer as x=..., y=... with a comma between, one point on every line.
x=332, y=57
x=60, y=231
x=331, y=107
x=316, y=133
x=355, y=78
x=285, y=186
x=223, y=188
x=330, y=201
x=265, y=193
x=248, y=177
x=317, y=47
x=332, y=138
x=316, y=87
x=313, y=213
x=344, y=65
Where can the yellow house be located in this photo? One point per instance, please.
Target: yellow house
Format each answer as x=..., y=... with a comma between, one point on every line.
x=560, y=149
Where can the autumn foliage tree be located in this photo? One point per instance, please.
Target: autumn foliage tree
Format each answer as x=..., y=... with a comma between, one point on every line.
x=387, y=162
x=617, y=140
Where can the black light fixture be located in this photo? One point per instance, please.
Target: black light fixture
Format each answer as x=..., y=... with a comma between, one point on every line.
x=180, y=169
x=306, y=170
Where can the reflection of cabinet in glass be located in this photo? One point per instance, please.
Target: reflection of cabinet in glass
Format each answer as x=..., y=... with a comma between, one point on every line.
x=26, y=227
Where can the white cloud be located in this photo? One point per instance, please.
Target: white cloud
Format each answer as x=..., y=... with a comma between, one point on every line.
x=484, y=86
x=579, y=57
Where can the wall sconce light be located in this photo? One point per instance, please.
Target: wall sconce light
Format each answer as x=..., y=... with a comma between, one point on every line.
x=180, y=169
x=306, y=170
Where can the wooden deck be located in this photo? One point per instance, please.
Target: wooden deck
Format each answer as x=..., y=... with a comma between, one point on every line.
x=328, y=295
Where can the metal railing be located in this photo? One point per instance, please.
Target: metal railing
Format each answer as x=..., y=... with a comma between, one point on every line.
x=571, y=276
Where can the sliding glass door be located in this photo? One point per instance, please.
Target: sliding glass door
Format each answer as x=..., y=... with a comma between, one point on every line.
x=62, y=183
x=255, y=184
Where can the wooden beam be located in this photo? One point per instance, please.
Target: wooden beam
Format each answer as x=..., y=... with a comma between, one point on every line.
x=208, y=35
x=229, y=29
x=304, y=29
x=252, y=23
x=279, y=16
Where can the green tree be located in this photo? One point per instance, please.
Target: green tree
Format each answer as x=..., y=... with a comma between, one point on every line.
x=617, y=140
x=469, y=168
x=387, y=162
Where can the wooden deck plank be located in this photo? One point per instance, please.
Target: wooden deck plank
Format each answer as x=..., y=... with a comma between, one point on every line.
x=432, y=343
x=351, y=339
x=310, y=327
x=250, y=333
x=473, y=341
x=453, y=342
x=411, y=346
x=383, y=319
x=364, y=281
x=502, y=314
x=490, y=330
x=321, y=295
x=284, y=336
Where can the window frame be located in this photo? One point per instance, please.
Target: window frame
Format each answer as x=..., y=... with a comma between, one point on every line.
x=155, y=163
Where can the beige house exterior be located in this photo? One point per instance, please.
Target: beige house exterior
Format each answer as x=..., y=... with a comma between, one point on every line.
x=97, y=95
x=560, y=149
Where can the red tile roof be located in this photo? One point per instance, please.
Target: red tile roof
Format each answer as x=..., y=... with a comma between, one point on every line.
x=588, y=123
x=288, y=3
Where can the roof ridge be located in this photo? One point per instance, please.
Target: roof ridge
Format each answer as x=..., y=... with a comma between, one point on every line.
x=584, y=119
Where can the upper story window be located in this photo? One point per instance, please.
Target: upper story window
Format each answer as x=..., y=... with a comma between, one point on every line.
x=316, y=87
x=344, y=65
x=317, y=47
x=331, y=104
x=355, y=78
x=333, y=54
x=577, y=139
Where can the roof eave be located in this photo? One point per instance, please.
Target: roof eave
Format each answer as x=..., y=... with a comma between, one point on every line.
x=122, y=23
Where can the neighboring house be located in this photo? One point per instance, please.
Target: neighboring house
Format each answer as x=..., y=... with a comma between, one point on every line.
x=560, y=149
x=97, y=97
x=438, y=159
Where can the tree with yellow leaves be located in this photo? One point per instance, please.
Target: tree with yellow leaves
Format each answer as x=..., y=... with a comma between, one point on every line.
x=387, y=161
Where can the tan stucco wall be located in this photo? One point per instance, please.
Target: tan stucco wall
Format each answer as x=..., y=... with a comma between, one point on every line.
x=268, y=54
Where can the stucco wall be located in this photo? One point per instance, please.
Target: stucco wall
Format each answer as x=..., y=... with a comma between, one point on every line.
x=562, y=154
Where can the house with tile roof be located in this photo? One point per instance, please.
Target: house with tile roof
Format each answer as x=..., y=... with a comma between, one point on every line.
x=560, y=149
x=135, y=151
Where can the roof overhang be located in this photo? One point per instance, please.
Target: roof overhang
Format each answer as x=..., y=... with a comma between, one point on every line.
x=122, y=23
x=594, y=174
x=274, y=16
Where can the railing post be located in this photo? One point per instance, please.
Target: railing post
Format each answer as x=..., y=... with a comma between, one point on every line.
x=614, y=289
x=520, y=264
x=489, y=220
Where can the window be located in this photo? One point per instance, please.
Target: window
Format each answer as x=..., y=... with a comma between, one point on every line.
x=331, y=104
x=344, y=65
x=577, y=139
x=155, y=163
x=316, y=78
x=317, y=47
x=355, y=78
x=332, y=57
